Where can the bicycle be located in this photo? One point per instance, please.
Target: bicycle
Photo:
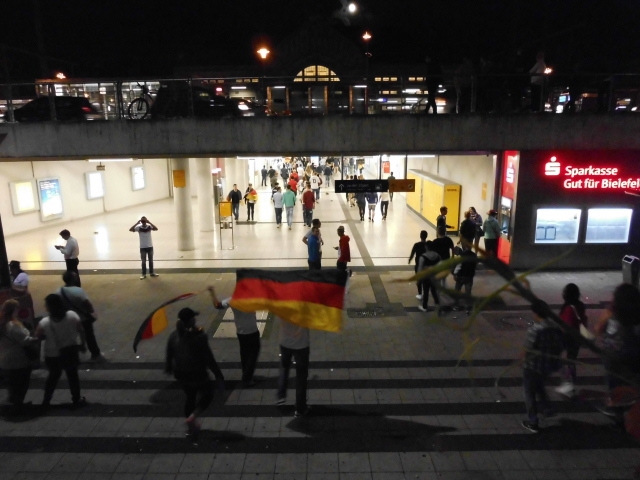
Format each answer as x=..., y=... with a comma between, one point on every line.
x=140, y=107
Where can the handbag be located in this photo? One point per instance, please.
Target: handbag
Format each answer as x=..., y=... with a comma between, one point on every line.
x=84, y=315
x=32, y=352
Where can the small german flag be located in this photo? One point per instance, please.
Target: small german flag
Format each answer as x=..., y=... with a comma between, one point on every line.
x=156, y=321
x=308, y=298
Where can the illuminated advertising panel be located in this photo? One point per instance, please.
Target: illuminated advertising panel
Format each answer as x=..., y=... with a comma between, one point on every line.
x=137, y=178
x=95, y=185
x=23, y=196
x=602, y=175
x=50, y=197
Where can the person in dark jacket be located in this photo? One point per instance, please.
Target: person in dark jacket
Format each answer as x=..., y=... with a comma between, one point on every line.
x=418, y=249
x=463, y=275
x=427, y=260
x=468, y=228
x=234, y=197
x=361, y=201
x=188, y=358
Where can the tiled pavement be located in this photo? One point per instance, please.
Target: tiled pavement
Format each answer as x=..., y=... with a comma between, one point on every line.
x=390, y=402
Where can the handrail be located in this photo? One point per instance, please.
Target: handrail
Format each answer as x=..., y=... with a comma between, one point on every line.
x=380, y=94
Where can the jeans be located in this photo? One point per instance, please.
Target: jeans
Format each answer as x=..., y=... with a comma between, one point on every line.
x=328, y=180
x=250, y=209
x=314, y=265
x=289, y=216
x=67, y=361
x=491, y=246
x=264, y=181
x=301, y=357
x=428, y=284
x=316, y=191
x=361, y=210
x=278, y=216
x=468, y=284
x=235, y=208
x=372, y=210
x=92, y=344
x=193, y=405
x=533, y=384
x=72, y=266
x=307, y=216
x=144, y=252
x=384, y=206
x=249, y=351
x=341, y=266
x=569, y=370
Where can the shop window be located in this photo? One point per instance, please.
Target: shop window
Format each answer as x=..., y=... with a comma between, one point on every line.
x=316, y=73
x=608, y=225
x=557, y=225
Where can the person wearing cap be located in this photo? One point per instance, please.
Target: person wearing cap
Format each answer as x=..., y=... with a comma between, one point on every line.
x=189, y=357
x=19, y=279
x=491, y=230
x=248, y=337
x=70, y=251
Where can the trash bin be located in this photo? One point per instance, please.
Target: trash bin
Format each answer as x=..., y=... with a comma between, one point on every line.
x=630, y=270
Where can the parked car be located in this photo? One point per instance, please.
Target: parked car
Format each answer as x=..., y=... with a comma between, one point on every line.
x=248, y=108
x=67, y=109
x=173, y=100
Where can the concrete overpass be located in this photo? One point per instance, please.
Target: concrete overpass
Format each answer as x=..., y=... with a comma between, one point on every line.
x=192, y=137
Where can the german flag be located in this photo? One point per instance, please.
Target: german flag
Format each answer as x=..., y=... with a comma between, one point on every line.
x=156, y=321
x=308, y=298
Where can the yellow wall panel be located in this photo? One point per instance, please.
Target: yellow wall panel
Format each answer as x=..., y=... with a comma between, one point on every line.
x=452, y=202
x=433, y=192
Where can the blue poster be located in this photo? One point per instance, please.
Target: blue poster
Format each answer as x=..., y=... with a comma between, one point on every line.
x=50, y=198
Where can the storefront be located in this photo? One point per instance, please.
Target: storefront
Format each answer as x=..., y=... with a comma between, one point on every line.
x=587, y=202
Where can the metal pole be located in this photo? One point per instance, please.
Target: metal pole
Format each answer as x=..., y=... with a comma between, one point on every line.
x=474, y=94
x=190, y=99
x=380, y=168
x=5, y=277
x=51, y=90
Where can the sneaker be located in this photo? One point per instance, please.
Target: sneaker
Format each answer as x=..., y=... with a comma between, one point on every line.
x=421, y=308
x=142, y=277
x=193, y=427
x=289, y=228
x=457, y=308
x=280, y=401
x=100, y=358
x=419, y=297
x=567, y=389
x=81, y=402
x=302, y=413
x=350, y=273
x=532, y=427
x=154, y=275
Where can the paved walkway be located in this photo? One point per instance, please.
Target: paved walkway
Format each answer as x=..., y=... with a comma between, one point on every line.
x=389, y=401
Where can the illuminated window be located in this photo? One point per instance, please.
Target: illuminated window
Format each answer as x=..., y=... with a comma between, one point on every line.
x=557, y=225
x=608, y=225
x=316, y=73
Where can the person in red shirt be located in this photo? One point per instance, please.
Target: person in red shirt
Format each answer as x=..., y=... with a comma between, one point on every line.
x=308, y=204
x=344, y=251
x=293, y=182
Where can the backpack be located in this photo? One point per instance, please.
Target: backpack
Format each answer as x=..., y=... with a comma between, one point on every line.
x=550, y=341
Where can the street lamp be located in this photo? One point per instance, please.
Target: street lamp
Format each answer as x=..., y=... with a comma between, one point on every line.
x=366, y=37
x=352, y=7
x=263, y=52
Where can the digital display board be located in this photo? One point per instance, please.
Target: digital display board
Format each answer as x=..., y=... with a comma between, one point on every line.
x=50, y=197
x=23, y=196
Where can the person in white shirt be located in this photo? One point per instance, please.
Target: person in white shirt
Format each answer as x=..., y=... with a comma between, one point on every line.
x=277, y=205
x=70, y=251
x=384, y=204
x=315, y=182
x=294, y=342
x=248, y=337
x=144, y=228
x=19, y=279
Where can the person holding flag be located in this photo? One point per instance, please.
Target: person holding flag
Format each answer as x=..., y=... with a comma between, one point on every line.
x=248, y=337
x=188, y=357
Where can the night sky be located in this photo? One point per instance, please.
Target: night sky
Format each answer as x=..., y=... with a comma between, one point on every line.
x=117, y=38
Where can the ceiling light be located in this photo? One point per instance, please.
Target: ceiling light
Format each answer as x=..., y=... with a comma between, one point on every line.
x=105, y=160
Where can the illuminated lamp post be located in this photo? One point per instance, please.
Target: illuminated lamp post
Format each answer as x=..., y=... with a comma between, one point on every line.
x=366, y=37
x=263, y=53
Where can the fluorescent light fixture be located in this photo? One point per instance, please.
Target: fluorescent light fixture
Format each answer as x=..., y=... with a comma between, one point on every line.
x=392, y=101
x=279, y=87
x=411, y=90
x=239, y=88
x=420, y=156
x=411, y=100
x=105, y=160
x=359, y=86
x=216, y=170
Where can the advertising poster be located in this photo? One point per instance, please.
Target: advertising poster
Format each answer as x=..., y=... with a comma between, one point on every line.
x=137, y=178
x=50, y=198
x=95, y=185
x=23, y=196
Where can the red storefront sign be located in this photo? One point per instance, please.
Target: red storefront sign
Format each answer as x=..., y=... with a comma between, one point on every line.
x=594, y=176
